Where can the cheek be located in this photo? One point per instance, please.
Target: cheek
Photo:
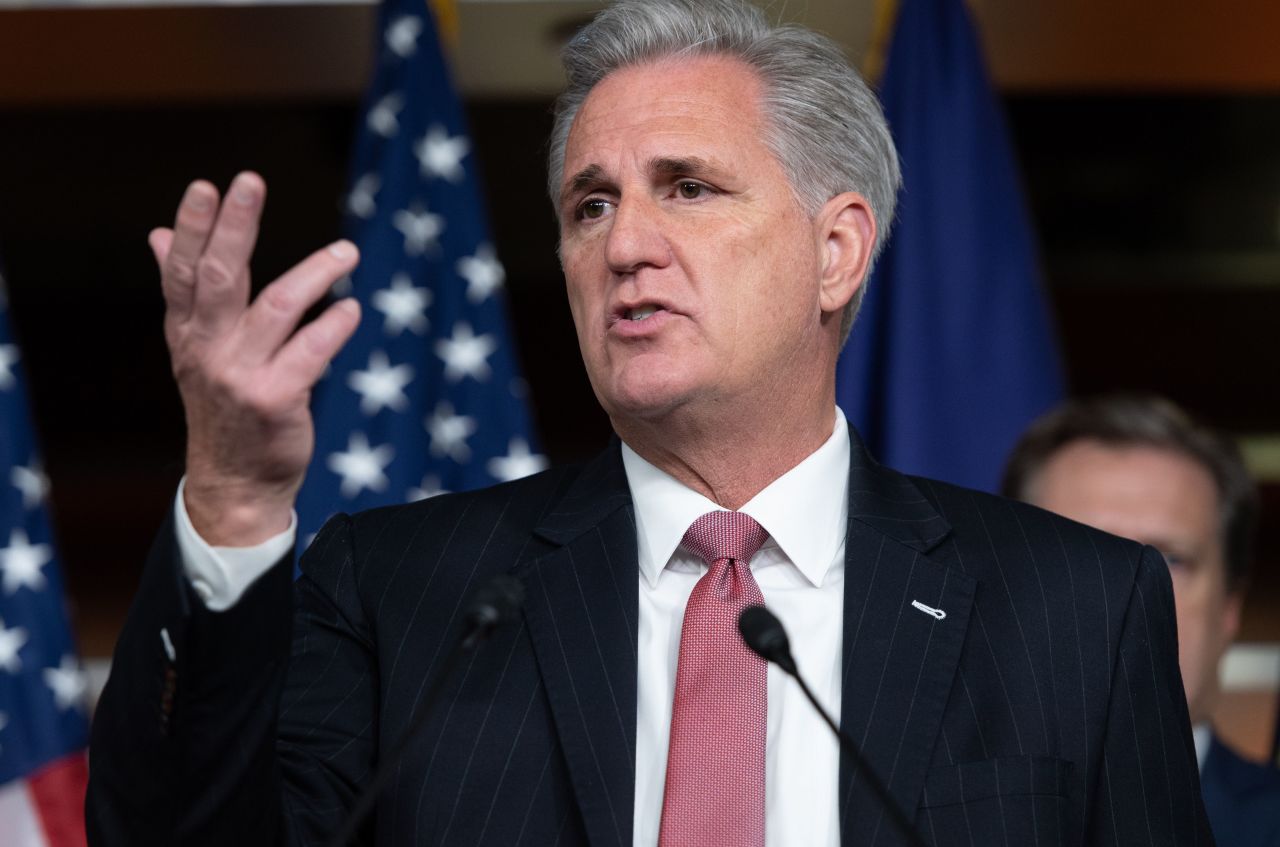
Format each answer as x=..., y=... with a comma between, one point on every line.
x=577, y=288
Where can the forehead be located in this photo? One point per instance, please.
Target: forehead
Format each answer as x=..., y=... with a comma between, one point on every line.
x=1152, y=494
x=707, y=106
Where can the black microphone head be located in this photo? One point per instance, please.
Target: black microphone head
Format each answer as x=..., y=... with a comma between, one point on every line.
x=495, y=602
x=763, y=633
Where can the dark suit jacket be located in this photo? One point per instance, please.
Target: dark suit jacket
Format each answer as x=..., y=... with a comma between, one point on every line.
x=1046, y=708
x=1241, y=797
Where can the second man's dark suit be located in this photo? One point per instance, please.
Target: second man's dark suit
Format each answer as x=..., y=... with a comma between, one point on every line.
x=1044, y=708
x=1242, y=798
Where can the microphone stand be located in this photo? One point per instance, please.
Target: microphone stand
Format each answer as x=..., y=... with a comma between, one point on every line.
x=764, y=634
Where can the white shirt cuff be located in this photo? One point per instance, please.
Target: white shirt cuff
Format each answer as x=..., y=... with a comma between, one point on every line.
x=221, y=575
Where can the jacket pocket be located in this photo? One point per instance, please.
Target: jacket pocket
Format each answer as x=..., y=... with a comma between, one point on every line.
x=1017, y=800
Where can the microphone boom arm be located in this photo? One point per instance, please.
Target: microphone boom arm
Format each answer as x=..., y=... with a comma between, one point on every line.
x=764, y=634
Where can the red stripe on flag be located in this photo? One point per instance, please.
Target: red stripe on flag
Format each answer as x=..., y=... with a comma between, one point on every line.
x=58, y=791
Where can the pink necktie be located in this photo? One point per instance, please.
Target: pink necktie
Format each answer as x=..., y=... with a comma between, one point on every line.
x=715, y=764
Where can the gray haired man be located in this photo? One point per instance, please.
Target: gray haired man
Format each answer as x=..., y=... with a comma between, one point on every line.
x=722, y=188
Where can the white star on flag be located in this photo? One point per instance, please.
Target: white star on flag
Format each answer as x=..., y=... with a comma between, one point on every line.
x=11, y=641
x=361, y=201
x=361, y=466
x=402, y=35
x=483, y=273
x=449, y=432
x=465, y=353
x=381, y=386
x=68, y=682
x=32, y=482
x=430, y=488
x=441, y=155
x=420, y=229
x=518, y=462
x=403, y=304
x=384, y=117
x=21, y=562
x=8, y=358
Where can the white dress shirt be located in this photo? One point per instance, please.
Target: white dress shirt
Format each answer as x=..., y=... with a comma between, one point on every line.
x=221, y=575
x=800, y=571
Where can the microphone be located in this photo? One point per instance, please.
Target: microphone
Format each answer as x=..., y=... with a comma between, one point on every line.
x=494, y=603
x=764, y=634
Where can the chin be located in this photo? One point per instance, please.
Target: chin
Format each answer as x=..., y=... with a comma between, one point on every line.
x=646, y=396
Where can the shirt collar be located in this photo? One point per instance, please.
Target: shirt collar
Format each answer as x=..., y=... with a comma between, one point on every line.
x=815, y=493
x=1202, y=736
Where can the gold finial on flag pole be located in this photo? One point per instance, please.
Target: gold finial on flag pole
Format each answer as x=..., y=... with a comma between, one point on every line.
x=886, y=16
x=446, y=14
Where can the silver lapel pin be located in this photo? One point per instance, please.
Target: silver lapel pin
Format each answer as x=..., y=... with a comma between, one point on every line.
x=929, y=610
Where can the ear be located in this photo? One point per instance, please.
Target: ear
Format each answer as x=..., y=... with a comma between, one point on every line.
x=846, y=230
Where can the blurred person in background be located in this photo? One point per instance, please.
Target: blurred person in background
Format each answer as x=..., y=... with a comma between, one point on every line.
x=1141, y=468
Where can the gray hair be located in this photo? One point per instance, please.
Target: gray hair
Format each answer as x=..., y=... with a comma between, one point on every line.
x=825, y=125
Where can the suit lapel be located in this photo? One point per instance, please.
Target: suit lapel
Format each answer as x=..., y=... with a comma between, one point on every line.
x=581, y=605
x=899, y=659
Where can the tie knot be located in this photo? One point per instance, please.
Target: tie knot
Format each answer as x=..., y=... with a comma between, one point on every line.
x=725, y=535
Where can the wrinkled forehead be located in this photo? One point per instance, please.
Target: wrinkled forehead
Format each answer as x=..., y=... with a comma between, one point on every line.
x=700, y=107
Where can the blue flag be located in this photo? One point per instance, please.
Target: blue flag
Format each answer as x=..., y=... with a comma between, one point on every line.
x=427, y=396
x=43, y=721
x=954, y=353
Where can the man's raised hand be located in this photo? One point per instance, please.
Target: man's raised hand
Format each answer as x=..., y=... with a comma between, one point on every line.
x=245, y=370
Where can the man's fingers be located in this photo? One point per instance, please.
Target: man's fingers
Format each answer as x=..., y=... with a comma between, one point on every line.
x=275, y=313
x=191, y=231
x=159, y=240
x=303, y=359
x=177, y=298
x=222, y=271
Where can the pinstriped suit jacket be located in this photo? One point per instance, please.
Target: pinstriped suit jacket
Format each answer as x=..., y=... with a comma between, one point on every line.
x=1045, y=708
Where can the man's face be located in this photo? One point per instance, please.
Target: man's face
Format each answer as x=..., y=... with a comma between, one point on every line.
x=692, y=270
x=1167, y=500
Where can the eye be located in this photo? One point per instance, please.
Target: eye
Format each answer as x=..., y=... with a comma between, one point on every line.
x=1173, y=560
x=691, y=190
x=593, y=209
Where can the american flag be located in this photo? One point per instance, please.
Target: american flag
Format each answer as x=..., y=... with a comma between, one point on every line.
x=427, y=397
x=43, y=721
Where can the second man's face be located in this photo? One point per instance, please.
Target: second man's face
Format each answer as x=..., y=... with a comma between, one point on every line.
x=1169, y=501
x=691, y=267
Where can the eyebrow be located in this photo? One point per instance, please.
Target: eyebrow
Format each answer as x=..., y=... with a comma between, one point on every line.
x=594, y=175
x=690, y=165
x=589, y=176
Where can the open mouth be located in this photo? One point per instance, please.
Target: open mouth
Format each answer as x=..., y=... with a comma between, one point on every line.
x=641, y=313
x=639, y=320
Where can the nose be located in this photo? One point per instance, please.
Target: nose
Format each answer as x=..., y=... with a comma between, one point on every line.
x=637, y=237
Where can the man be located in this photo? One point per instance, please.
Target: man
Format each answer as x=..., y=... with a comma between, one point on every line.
x=1139, y=467
x=722, y=188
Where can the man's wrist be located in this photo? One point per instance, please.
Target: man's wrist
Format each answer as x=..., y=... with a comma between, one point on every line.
x=219, y=575
x=223, y=517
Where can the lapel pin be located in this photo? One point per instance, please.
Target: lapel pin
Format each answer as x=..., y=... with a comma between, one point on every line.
x=929, y=610
x=168, y=644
